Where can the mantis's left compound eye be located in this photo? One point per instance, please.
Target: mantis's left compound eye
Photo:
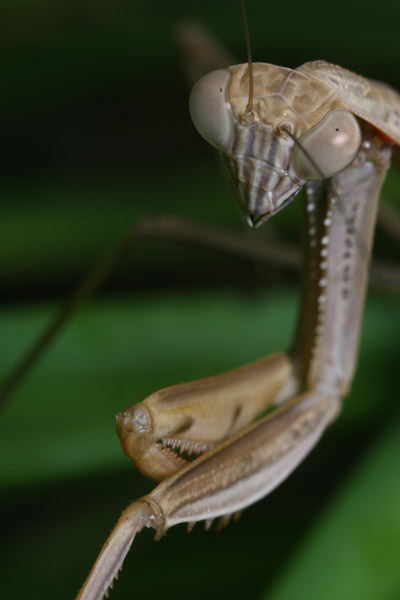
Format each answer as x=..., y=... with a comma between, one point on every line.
x=210, y=110
x=332, y=145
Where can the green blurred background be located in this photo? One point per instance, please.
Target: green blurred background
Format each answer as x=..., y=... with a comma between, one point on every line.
x=95, y=133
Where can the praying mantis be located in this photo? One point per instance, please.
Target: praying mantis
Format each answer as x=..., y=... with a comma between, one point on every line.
x=318, y=126
x=182, y=542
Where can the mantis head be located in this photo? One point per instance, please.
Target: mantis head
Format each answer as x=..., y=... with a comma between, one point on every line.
x=274, y=143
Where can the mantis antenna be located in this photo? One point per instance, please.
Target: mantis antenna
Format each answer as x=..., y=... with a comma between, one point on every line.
x=249, y=113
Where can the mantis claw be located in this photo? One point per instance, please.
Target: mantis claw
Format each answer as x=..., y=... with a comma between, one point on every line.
x=200, y=438
x=175, y=425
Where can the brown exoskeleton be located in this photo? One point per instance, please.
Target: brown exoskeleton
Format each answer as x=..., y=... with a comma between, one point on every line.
x=330, y=130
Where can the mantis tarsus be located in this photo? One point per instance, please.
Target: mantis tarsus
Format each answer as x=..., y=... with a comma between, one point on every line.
x=322, y=126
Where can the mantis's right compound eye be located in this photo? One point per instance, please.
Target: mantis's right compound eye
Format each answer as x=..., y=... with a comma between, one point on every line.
x=210, y=109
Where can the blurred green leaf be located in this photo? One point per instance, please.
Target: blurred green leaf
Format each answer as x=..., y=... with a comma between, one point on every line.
x=354, y=547
x=110, y=356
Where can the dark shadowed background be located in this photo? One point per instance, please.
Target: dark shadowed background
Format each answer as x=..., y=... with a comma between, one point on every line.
x=95, y=133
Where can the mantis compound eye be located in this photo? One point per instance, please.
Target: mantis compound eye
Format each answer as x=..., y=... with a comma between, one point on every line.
x=331, y=145
x=210, y=109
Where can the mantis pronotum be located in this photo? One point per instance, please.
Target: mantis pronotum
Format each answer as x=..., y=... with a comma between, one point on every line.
x=274, y=144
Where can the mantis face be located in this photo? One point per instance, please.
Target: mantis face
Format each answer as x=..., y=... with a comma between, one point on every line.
x=279, y=144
